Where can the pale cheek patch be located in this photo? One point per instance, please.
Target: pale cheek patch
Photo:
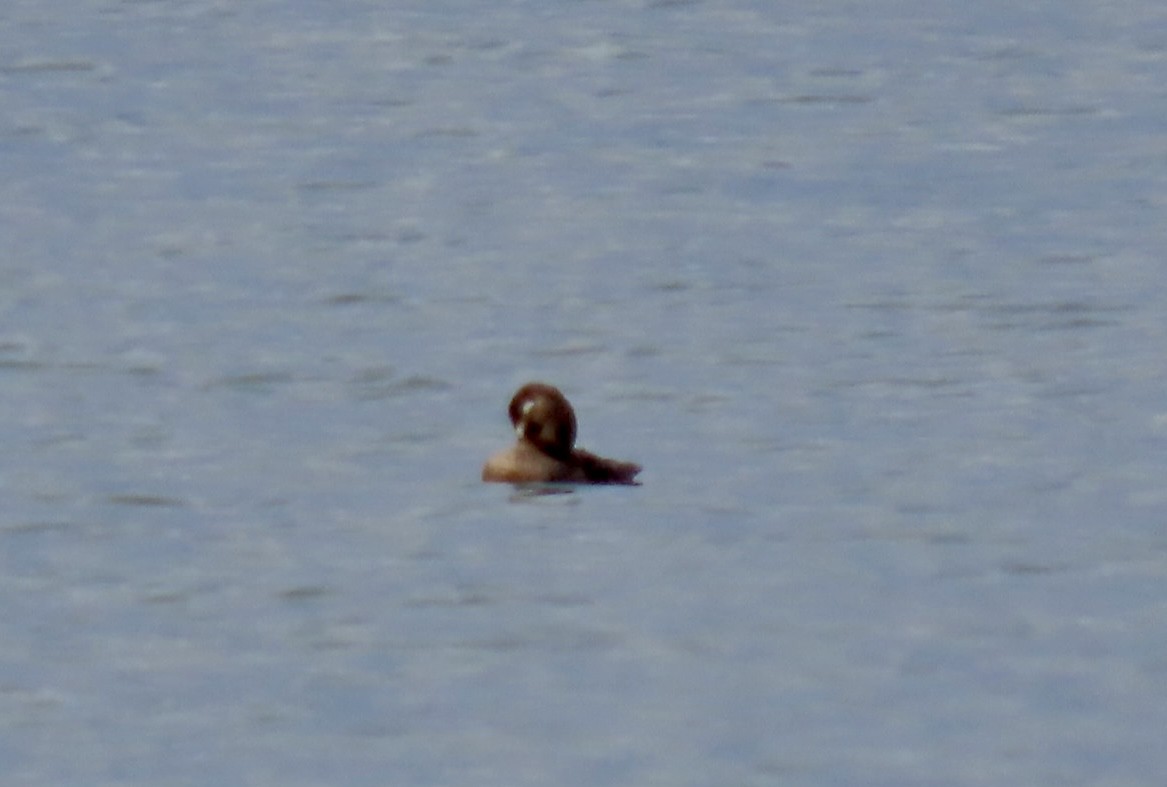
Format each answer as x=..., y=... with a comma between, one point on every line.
x=521, y=424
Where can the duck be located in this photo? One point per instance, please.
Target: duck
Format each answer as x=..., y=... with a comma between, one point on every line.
x=545, y=451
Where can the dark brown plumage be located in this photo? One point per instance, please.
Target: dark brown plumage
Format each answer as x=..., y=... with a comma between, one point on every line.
x=545, y=450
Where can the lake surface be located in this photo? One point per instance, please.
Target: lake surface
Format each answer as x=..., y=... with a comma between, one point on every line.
x=876, y=293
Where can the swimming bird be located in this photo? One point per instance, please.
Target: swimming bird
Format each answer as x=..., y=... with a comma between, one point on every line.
x=545, y=451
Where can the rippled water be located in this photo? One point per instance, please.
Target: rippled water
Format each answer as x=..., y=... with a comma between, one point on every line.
x=874, y=293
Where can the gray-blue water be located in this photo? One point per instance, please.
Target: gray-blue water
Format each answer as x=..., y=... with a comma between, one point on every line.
x=876, y=292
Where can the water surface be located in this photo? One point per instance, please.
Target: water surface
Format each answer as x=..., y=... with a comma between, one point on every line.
x=874, y=294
